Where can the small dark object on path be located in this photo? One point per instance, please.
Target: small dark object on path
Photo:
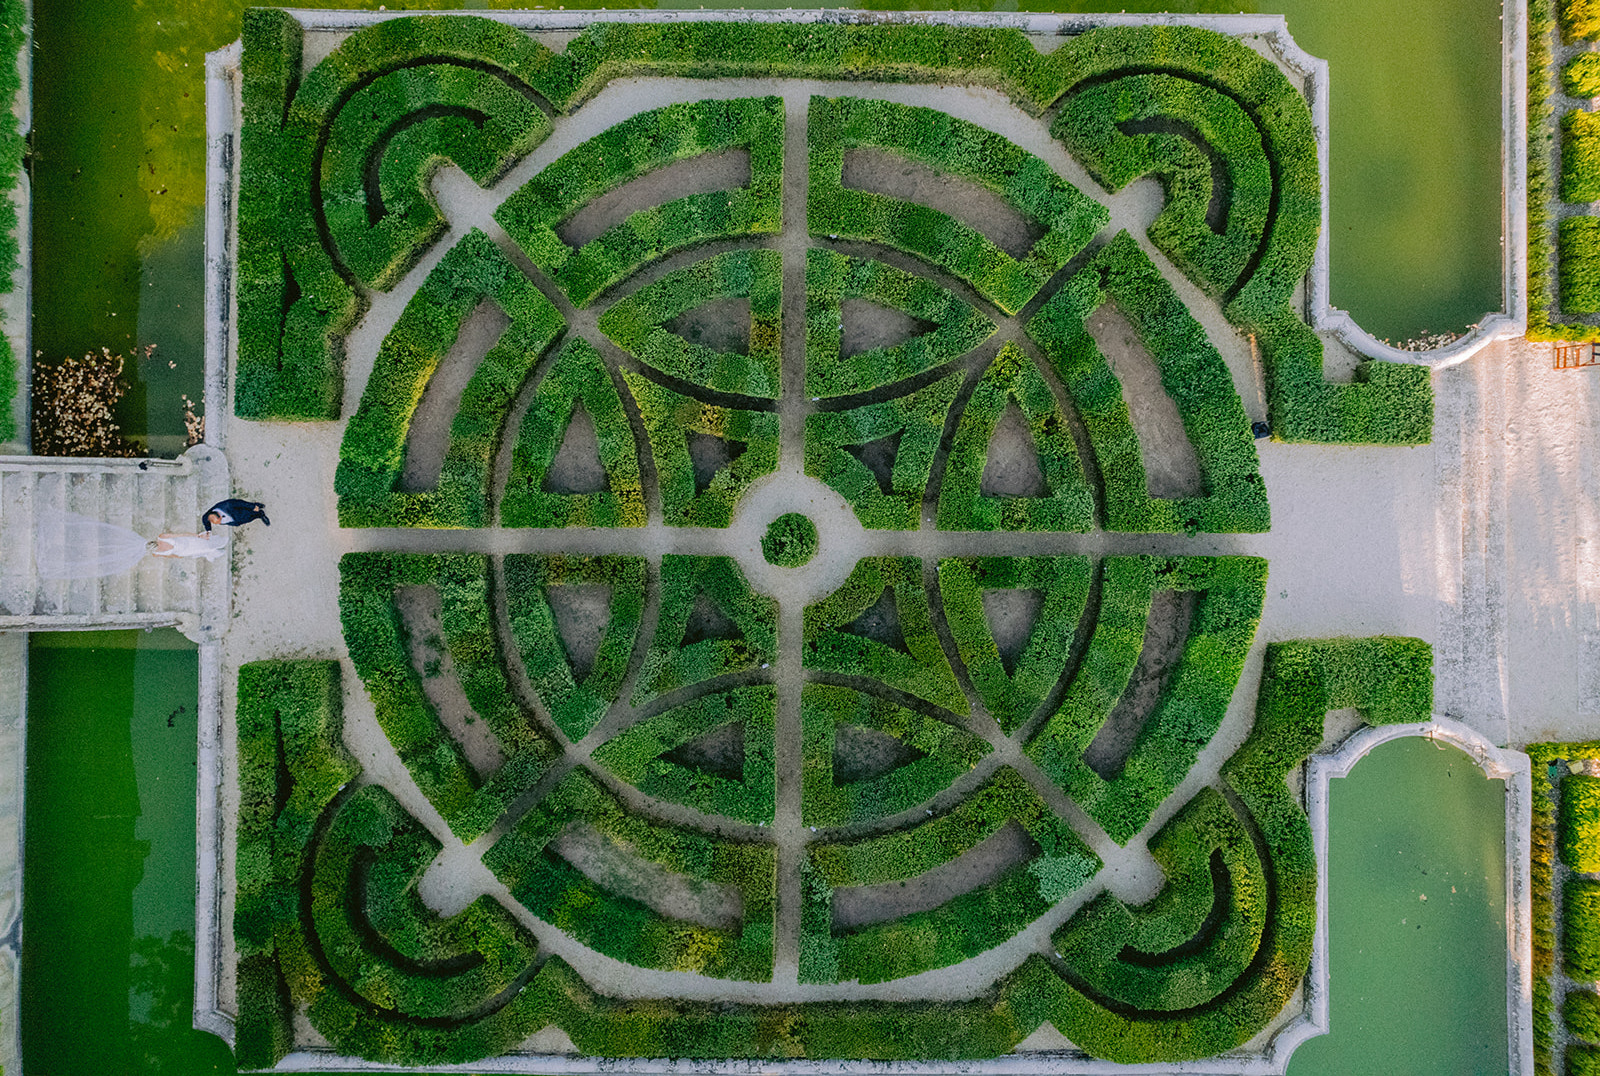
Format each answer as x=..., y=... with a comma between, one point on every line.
x=235, y=513
x=1260, y=430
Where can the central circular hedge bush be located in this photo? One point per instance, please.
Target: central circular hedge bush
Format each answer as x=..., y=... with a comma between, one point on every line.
x=790, y=541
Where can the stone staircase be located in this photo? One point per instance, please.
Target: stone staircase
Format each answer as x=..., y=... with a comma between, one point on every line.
x=148, y=496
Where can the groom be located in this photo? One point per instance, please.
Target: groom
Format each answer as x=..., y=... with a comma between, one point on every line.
x=235, y=513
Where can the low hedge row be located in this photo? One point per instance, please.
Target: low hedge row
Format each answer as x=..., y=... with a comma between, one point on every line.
x=1580, y=928
x=963, y=506
x=670, y=418
x=291, y=767
x=1192, y=702
x=619, y=925
x=373, y=454
x=1126, y=128
x=1197, y=937
x=637, y=145
x=944, y=753
x=1580, y=156
x=1580, y=822
x=1581, y=1013
x=961, y=927
x=914, y=662
x=13, y=34
x=1194, y=376
x=297, y=930
x=749, y=639
x=636, y=755
x=382, y=150
x=1542, y=277
x=635, y=323
x=832, y=278
x=468, y=802
x=957, y=148
x=574, y=704
x=1580, y=265
x=1580, y=19
x=386, y=945
x=1581, y=76
x=1063, y=582
x=576, y=377
x=916, y=421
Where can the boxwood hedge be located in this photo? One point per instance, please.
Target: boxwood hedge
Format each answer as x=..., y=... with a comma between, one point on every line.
x=635, y=323
x=577, y=376
x=1580, y=929
x=943, y=753
x=1581, y=1013
x=963, y=506
x=1012, y=696
x=1580, y=265
x=1194, y=376
x=1580, y=822
x=961, y=927
x=832, y=278
x=912, y=660
x=373, y=454
x=468, y=802
x=957, y=148
x=620, y=925
x=574, y=702
x=911, y=426
x=637, y=755
x=1580, y=156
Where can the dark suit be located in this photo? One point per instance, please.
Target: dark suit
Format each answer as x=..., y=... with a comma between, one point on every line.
x=236, y=513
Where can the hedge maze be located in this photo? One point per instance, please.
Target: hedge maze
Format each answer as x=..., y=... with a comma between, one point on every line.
x=934, y=754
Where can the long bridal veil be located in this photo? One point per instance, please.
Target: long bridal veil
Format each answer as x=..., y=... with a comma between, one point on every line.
x=69, y=546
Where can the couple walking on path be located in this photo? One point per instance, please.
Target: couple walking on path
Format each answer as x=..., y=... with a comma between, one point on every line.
x=86, y=547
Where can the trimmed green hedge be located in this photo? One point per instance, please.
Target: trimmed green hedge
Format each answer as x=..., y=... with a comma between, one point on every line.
x=291, y=766
x=1124, y=129
x=669, y=419
x=790, y=541
x=575, y=705
x=1192, y=704
x=1197, y=937
x=637, y=145
x=1068, y=506
x=383, y=942
x=1580, y=822
x=468, y=802
x=635, y=323
x=1581, y=1013
x=957, y=148
x=1580, y=156
x=1580, y=19
x=1581, y=76
x=576, y=377
x=1580, y=265
x=961, y=927
x=1583, y=1060
x=1194, y=376
x=1580, y=929
x=13, y=34
x=636, y=754
x=1063, y=583
x=373, y=454
x=945, y=753
x=914, y=663
x=748, y=641
x=832, y=278
x=916, y=424
x=619, y=925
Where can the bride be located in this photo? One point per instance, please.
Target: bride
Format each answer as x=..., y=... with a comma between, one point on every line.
x=70, y=546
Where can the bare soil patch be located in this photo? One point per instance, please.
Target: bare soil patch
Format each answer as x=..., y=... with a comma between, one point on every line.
x=867, y=326
x=617, y=870
x=428, y=439
x=859, y=906
x=975, y=206
x=860, y=754
x=581, y=612
x=1012, y=613
x=709, y=172
x=721, y=325
x=1171, y=467
x=1012, y=467
x=576, y=467
x=419, y=617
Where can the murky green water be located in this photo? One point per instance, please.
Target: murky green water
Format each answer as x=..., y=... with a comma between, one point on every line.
x=1416, y=919
x=119, y=169
x=108, y=893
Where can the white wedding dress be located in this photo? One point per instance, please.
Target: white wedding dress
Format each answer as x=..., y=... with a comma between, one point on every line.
x=70, y=546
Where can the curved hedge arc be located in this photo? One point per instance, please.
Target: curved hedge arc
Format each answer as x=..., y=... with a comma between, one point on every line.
x=957, y=148
x=1194, y=376
x=674, y=660
x=831, y=278
x=945, y=753
x=635, y=323
x=576, y=377
x=912, y=425
x=372, y=455
x=963, y=926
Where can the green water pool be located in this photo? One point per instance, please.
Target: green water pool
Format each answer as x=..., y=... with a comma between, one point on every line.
x=1418, y=987
x=118, y=169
